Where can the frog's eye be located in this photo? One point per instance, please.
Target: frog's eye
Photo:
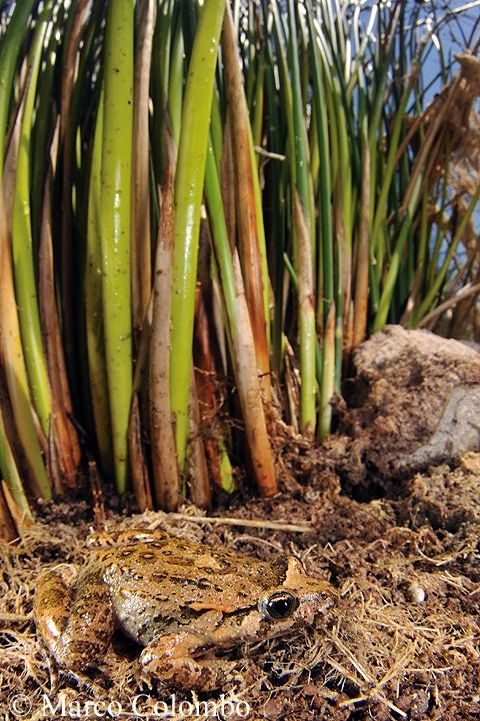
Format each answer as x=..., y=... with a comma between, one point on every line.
x=279, y=604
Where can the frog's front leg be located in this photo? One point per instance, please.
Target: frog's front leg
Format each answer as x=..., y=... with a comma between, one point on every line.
x=77, y=628
x=171, y=658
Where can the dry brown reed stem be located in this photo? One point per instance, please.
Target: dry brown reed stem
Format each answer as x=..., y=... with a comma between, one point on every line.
x=8, y=530
x=65, y=456
x=363, y=254
x=306, y=303
x=247, y=220
x=139, y=473
x=199, y=481
x=246, y=376
x=166, y=477
x=242, y=522
x=138, y=420
x=206, y=384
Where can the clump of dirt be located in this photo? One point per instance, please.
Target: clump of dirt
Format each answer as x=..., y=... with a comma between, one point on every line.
x=402, y=642
x=412, y=402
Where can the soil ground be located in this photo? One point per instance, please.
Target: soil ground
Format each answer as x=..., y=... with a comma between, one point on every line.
x=401, y=643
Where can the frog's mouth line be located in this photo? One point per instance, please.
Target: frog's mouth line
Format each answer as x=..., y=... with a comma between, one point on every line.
x=209, y=606
x=278, y=629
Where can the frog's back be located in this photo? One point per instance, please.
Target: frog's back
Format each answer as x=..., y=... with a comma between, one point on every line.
x=169, y=562
x=187, y=570
x=162, y=583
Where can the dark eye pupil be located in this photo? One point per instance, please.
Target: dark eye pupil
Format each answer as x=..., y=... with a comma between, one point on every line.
x=280, y=605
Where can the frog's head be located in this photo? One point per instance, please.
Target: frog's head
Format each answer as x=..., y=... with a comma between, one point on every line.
x=298, y=600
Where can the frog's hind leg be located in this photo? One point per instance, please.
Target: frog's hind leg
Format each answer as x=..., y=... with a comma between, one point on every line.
x=77, y=629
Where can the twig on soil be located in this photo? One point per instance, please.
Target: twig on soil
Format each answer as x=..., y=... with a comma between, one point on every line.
x=246, y=522
x=15, y=617
x=361, y=699
x=352, y=701
x=445, y=558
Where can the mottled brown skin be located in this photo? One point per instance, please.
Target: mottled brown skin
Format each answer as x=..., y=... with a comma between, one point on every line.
x=179, y=599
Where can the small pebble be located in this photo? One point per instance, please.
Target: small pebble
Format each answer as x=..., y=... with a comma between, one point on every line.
x=416, y=593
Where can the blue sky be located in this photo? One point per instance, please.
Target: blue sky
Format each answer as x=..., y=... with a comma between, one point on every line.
x=454, y=34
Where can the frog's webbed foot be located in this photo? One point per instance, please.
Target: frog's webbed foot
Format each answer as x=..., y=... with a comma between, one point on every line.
x=171, y=659
x=77, y=630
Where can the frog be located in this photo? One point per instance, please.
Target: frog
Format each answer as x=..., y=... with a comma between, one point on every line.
x=186, y=603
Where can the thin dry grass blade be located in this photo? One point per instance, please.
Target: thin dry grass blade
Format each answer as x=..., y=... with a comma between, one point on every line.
x=426, y=147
